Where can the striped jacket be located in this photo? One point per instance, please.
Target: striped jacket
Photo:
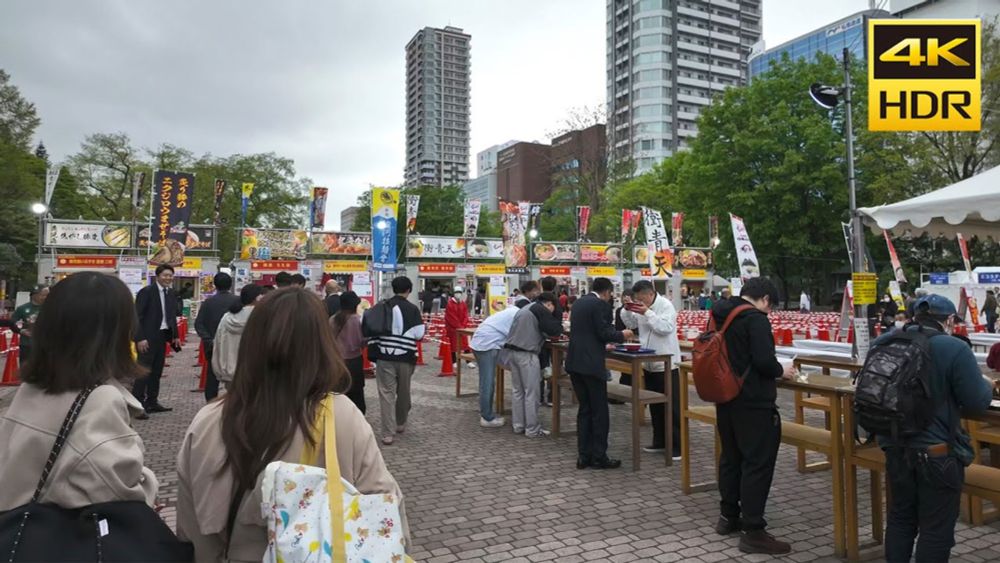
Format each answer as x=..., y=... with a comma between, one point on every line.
x=407, y=329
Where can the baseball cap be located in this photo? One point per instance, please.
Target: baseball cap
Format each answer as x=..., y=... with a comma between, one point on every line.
x=937, y=305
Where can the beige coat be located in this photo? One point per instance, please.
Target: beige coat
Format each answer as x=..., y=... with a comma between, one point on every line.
x=102, y=460
x=204, y=493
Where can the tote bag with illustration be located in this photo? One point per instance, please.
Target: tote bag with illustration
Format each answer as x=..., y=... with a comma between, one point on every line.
x=314, y=515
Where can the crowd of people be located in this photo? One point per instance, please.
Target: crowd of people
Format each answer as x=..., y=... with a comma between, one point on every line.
x=281, y=353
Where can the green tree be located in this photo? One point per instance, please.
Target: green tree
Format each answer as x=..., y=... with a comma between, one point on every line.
x=104, y=169
x=18, y=118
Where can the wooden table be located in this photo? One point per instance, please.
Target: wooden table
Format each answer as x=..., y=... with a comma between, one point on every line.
x=636, y=394
x=821, y=403
x=461, y=355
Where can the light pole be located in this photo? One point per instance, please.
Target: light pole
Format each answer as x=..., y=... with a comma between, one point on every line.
x=39, y=209
x=827, y=97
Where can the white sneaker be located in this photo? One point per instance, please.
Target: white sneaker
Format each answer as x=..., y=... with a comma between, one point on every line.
x=541, y=434
x=495, y=423
x=518, y=430
x=471, y=365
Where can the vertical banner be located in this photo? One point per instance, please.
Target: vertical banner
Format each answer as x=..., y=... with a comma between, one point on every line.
x=965, y=255
x=582, y=222
x=626, y=224
x=220, y=190
x=471, y=215
x=496, y=295
x=677, y=229
x=172, y=214
x=317, y=211
x=247, y=192
x=534, y=217
x=385, y=213
x=51, y=177
x=896, y=293
x=412, y=206
x=137, y=182
x=713, y=231
x=661, y=258
x=515, y=251
x=897, y=268
x=745, y=255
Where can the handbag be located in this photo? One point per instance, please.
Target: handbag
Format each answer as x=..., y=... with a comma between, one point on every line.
x=314, y=515
x=108, y=531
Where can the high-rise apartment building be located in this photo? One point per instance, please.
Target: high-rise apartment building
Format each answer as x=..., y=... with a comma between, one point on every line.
x=437, y=107
x=947, y=9
x=666, y=60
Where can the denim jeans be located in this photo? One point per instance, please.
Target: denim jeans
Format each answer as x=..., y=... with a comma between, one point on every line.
x=487, y=364
x=926, y=493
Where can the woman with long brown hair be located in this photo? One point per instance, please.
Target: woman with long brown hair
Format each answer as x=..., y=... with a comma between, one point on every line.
x=288, y=363
x=347, y=330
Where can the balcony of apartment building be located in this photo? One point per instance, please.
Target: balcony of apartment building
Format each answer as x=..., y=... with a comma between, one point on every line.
x=698, y=80
x=693, y=97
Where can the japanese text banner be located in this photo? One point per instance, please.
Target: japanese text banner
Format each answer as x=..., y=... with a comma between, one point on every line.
x=385, y=216
x=749, y=266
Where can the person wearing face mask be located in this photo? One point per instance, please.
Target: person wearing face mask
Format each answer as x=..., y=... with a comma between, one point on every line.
x=926, y=472
x=887, y=311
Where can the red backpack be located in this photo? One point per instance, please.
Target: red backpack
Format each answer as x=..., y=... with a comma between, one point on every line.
x=714, y=378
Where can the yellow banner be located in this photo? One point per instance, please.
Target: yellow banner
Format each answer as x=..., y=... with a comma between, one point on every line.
x=694, y=274
x=490, y=269
x=341, y=266
x=599, y=271
x=247, y=189
x=865, y=288
x=385, y=212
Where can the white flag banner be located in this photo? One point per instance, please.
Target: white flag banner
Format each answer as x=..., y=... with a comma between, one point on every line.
x=660, y=254
x=412, y=206
x=473, y=207
x=51, y=177
x=749, y=266
x=524, y=208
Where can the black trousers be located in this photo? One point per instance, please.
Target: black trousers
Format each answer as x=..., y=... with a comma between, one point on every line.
x=592, y=419
x=926, y=494
x=147, y=389
x=658, y=412
x=990, y=319
x=750, y=439
x=357, y=391
x=211, y=382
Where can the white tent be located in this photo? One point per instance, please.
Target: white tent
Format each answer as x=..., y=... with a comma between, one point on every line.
x=970, y=207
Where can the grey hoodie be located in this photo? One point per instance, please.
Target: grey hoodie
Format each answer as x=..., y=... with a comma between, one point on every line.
x=227, y=343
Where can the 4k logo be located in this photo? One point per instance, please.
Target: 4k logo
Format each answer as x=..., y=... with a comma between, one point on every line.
x=924, y=75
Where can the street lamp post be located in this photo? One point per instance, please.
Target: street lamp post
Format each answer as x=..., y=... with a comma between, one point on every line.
x=39, y=209
x=827, y=97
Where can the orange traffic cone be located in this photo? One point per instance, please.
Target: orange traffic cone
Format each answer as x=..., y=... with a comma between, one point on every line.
x=850, y=335
x=3, y=341
x=441, y=349
x=420, y=353
x=824, y=335
x=10, y=369
x=446, y=369
x=15, y=341
x=201, y=355
x=182, y=327
x=777, y=337
x=366, y=365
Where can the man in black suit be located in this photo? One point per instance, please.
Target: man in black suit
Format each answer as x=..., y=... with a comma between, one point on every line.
x=591, y=331
x=207, y=323
x=156, y=307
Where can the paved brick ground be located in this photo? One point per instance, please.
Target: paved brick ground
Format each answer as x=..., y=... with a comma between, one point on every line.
x=475, y=494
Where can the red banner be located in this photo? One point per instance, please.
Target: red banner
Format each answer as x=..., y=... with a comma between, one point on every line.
x=436, y=268
x=554, y=270
x=677, y=229
x=87, y=262
x=897, y=268
x=582, y=222
x=275, y=265
x=965, y=253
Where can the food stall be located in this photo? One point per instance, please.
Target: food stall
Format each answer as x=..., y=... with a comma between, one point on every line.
x=351, y=252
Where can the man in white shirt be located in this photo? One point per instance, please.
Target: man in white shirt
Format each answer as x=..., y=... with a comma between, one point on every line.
x=656, y=320
x=486, y=343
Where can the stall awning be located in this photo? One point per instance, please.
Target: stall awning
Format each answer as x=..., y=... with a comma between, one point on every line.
x=970, y=207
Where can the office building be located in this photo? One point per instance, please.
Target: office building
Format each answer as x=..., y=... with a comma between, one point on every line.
x=523, y=172
x=666, y=60
x=486, y=160
x=347, y=217
x=437, y=107
x=580, y=153
x=850, y=32
x=483, y=188
x=947, y=9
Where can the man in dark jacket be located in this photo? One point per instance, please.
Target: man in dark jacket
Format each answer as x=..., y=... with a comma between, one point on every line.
x=749, y=425
x=592, y=330
x=156, y=311
x=332, y=300
x=207, y=323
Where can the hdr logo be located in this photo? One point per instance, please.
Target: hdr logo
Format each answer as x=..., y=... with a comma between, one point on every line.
x=924, y=75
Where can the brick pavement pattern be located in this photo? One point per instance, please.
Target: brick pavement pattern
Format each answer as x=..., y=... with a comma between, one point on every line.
x=488, y=495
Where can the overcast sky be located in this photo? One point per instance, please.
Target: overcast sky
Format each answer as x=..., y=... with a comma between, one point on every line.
x=320, y=82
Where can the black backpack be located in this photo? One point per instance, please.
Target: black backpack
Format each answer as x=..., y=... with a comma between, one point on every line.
x=893, y=394
x=108, y=531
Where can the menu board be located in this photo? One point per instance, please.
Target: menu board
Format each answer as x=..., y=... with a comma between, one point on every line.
x=554, y=252
x=600, y=253
x=484, y=249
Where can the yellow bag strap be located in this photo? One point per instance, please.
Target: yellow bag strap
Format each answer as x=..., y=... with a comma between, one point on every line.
x=334, y=486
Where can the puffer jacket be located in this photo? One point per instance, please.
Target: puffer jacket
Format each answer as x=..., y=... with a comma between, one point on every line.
x=227, y=343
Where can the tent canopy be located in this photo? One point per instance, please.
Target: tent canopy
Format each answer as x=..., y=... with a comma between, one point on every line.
x=970, y=207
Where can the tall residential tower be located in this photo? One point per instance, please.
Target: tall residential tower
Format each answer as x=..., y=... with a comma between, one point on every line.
x=437, y=107
x=666, y=59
